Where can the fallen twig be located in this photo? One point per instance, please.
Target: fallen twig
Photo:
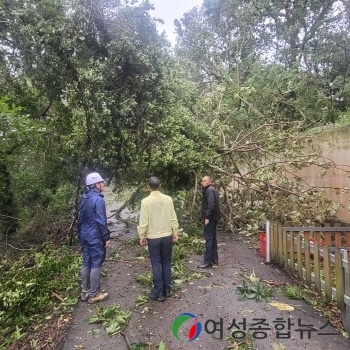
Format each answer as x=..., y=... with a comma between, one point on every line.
x=273, y=283
x=10, y=217
x=128, y=223
x=127, y=260
x=306, y=313
x=11, y=246
x=197, y=270
x=9, y=331
x=126, y=340
x=234, y=346
x=119, y=210
x=58, y=297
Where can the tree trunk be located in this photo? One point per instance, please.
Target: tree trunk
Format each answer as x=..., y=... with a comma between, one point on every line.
x=9, y=223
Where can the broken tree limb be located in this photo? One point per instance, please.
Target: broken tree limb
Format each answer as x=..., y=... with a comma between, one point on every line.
x=126, y=340
x=123, y=206
x=126, y=222
x=58, y=297
x=11, y=246
x=227, y=200
x=10, y=217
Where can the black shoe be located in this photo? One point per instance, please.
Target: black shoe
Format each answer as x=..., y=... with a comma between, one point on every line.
x=204, y=266
x=215, y=262
x=167, y=292
x=153, y=296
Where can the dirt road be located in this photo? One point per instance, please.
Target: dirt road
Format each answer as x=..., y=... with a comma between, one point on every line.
x=212, y=297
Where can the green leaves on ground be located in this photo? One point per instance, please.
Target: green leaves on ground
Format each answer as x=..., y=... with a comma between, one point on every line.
x=146, y=346
x=115, y=256
x=139, y=346
x=295, y=292
x=255, y=290
x=161, y=346
x=27, y=286
x=141, y=299
x=112, y=318
x=145, y=278
x=187, y=245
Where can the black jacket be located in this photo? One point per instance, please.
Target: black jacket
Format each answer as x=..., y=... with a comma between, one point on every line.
x=210, y=203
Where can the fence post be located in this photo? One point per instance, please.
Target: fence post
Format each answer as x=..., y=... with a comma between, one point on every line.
x=299, y=258
x=280, y=245
x=339, y=279
x=346, y=310
x=327, y=273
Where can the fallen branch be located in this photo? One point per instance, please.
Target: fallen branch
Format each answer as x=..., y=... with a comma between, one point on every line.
x=126, y=340
x=198, y=271
x=130, y=200
x=58, y=297
x=10, y=217
x=273, y=283
x=124, y=205
x=127, y=222
x=126, y=260
x=234, y=346
x=227, y=200
x=11, y=246
x=9, y=331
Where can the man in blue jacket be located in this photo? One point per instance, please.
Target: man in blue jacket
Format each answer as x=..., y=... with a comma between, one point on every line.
x=94, y=238
x=210, y=214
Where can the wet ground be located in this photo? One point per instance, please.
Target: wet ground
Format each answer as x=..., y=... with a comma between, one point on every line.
x=212, y=297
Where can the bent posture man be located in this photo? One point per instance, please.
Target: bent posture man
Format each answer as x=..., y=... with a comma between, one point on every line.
x=94, y=238
x=158, y=224
x=210, y=215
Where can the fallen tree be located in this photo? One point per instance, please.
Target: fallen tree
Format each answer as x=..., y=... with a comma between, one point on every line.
x=259, y=177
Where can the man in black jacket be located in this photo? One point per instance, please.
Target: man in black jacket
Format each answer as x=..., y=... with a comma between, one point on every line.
x=210, y=215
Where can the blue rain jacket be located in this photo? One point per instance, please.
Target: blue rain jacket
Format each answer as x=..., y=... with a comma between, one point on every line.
x=92, y=228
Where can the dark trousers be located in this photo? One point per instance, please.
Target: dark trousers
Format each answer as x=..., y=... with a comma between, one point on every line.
x=160, y=250
x=211, y=243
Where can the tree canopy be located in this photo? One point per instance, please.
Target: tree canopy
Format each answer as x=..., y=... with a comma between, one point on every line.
x=91, y=85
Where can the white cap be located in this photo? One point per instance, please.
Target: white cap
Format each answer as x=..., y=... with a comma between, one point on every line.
x=93, y=178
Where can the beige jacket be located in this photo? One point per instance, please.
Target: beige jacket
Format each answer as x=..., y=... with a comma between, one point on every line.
x=157, y=216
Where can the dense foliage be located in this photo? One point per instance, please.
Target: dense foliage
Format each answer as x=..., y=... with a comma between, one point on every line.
x=99, y=89
x=98, y=84
x=269, y=72
x=27, y=289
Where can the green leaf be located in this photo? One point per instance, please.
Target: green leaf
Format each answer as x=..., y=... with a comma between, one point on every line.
x=161, y=346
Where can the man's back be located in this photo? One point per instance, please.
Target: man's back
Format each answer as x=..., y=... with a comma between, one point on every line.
x=158, y=218
x=158, y=229
x=93, y=221
x=210, y=204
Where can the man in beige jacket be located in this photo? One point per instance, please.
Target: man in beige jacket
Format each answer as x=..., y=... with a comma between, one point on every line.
x=158, y=227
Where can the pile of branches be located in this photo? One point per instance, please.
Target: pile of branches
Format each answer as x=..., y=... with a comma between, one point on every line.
x=260, y=176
